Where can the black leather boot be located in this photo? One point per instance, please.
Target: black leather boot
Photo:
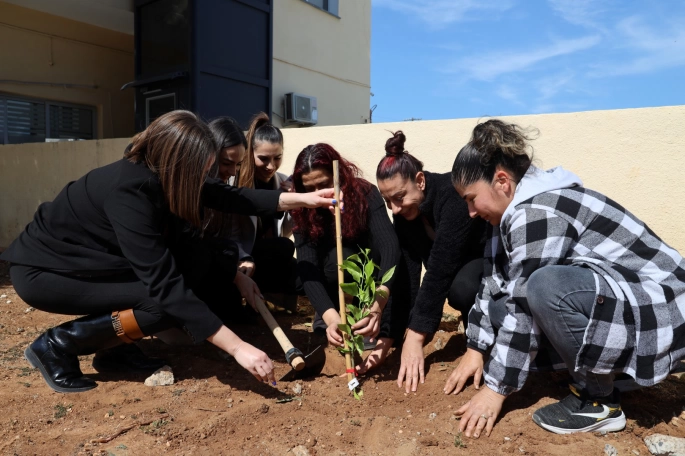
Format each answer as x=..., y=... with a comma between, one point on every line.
x=55, y=353
x=126, y=357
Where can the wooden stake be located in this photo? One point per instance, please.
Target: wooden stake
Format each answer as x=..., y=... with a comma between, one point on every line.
x=341, y=274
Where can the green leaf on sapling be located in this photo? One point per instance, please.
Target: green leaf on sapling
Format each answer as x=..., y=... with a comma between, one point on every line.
x=350, y=288
x=368, y=269
x=382, y=293
x=345, y=328
x=388, y=275
x=354, y=257
x=350, y=320
x=353, y=269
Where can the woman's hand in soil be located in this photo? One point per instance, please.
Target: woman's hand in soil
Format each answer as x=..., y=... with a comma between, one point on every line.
x=249, y=357
x=255, y=361
x=332, y=320
x=412, y=361
x=377, y=356
x=480, y=413
x=471, y=365
x=248, y=288
x=247, y=268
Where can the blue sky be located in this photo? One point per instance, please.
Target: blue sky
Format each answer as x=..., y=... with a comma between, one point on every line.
x=443, y=59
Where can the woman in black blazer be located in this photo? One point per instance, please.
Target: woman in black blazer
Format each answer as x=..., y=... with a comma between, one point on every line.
x=101, y=248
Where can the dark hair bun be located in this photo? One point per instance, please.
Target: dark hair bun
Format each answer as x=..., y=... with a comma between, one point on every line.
x=395, y=145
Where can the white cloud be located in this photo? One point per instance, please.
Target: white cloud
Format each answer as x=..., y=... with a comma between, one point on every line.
x=646, y=49
x=506, y=92
x=489, y=66
x=549, y=86
x=440, y=13
x=581, y=12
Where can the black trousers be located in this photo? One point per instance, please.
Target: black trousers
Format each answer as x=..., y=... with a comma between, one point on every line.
x=461, y=295
x=70, y=295
x=276, y=267
x=465, y=287
x=204, y=263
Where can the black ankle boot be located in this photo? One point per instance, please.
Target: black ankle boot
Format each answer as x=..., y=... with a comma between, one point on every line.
x=126, y=357
x=55, y=353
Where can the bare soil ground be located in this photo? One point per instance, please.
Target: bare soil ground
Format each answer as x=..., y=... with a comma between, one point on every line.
x=216, y=407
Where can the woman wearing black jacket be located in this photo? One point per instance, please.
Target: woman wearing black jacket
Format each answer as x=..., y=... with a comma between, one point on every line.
x=101, y=248
x=435, y=230
x=365, y=224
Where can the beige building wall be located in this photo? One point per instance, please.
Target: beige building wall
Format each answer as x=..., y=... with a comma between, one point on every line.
x=63, y=60
x=318, y=54
x=633, y=156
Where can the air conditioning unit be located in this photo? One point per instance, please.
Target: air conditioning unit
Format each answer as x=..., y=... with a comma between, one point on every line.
x=300, y=110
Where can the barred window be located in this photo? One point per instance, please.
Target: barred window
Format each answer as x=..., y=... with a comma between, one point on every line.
x=25, y=120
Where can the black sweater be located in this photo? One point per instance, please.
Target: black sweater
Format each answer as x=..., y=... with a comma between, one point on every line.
x=379, y=234
x=114, y=220
x=458, y=240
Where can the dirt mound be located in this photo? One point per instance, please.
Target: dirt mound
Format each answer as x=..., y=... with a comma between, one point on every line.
x=215, y=407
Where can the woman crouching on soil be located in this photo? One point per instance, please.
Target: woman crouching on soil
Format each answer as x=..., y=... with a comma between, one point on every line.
x=567, y=263
x=365, y=224
x=101, y=248
x=434, y=230
x=264, y=245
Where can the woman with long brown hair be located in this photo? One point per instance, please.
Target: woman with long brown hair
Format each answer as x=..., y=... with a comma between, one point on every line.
x=264, y=247
x=101, y=249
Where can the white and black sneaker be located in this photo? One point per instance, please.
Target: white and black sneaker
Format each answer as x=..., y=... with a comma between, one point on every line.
x=578, y=412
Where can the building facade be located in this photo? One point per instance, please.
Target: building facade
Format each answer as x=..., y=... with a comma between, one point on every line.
x=64, y=63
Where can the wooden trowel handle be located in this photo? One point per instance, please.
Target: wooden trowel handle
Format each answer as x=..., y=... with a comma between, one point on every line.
x=297, y=362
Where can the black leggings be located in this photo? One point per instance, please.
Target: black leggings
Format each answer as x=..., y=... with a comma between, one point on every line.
x=70, y=295
x=465, y=287
x=276, y=267
x=204, y=264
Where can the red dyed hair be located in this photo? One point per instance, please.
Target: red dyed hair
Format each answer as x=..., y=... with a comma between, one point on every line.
x=397, y=160
x=313, y=223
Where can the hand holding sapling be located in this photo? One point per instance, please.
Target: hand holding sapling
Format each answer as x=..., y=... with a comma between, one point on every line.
x=367, y=292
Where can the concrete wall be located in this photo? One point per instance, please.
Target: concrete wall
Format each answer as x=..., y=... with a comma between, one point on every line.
x=318, y=54
x=633, y=156
x=42, y=48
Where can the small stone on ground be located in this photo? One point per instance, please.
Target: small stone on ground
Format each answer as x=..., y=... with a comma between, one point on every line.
x=163, y=376
x=665, y=445
x=610, y=450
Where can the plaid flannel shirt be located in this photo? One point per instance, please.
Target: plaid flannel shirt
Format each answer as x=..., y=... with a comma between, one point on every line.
x=641, y=332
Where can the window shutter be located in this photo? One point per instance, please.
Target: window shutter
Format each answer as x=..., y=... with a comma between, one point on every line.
x=67, y=122
x=3, y=120
x=25, y=121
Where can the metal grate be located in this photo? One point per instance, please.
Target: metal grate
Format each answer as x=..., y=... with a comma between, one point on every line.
x=24, y=120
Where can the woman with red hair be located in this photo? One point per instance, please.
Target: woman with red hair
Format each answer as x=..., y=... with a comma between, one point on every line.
x=365, y=224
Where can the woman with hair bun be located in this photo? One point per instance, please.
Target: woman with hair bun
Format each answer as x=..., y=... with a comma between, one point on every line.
x=434, y=230
x=570, y=276
x=365, y=224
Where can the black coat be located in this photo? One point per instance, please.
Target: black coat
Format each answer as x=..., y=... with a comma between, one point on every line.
x=458, y=240
x=115, y=219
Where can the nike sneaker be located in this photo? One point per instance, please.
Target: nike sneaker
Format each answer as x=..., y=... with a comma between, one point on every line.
x=579, y=412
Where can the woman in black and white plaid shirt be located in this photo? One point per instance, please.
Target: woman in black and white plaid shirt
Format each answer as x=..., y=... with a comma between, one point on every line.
x=567, y=263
